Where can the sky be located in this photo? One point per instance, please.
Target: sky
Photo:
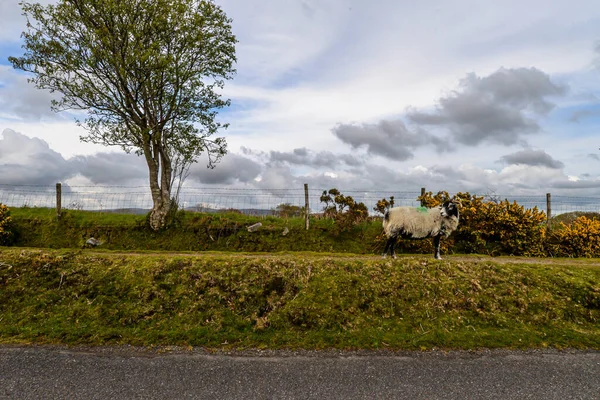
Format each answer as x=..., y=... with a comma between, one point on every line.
x=479, y=96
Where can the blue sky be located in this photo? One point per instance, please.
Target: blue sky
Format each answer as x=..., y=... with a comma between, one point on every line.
x=453, y=95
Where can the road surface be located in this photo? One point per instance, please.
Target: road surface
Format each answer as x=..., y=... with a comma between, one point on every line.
x=129, y=373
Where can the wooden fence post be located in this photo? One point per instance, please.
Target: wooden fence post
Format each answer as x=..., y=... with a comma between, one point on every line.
x=548, y=210
x=306, y=206
x=58, y=200
x=422, y=194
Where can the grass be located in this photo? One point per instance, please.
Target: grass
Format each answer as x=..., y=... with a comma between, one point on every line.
x=189, y=231
x=568, y=218
x=220, y=286
x=297, y=300
x=38, y=227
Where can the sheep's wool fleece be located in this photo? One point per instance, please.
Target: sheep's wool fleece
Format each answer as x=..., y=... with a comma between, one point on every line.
x=418, y=223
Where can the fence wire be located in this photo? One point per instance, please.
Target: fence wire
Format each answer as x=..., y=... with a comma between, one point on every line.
x=138, y=200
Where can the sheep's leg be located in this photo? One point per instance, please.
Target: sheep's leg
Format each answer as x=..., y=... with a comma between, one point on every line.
x=436, y=245
x=385, y=249
x=391, y=243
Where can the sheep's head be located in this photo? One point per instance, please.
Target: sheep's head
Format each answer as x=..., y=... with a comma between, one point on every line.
x=450, y=209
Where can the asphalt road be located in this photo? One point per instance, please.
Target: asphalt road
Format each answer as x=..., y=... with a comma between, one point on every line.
x=127, y=373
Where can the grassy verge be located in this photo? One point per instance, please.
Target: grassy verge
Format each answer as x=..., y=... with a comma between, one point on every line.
x=38, y=227
x=296, y=300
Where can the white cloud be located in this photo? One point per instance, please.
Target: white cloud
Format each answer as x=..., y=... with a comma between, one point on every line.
x=20, y=100
x=61, y=135
x=12, y=23
x=30, y=161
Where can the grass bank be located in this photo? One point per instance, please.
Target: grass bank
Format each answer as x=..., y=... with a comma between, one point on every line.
x=190, y=231
x=297, y=300
x=39, y=227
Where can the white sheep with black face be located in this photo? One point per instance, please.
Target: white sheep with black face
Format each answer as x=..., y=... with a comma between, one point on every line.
x=420, y=223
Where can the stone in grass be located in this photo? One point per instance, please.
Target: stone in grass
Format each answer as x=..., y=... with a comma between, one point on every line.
x=93, y=242
x=254, y=228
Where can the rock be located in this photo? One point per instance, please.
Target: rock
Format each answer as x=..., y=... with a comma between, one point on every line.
x=254, y=228
x=93, y=242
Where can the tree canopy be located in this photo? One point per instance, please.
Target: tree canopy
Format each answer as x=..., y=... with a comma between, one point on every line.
x=148, y=74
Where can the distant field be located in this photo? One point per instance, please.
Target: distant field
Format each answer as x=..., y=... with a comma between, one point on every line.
x=297, y=300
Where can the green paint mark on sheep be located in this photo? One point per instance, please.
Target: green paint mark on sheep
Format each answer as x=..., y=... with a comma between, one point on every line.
x=422, y=209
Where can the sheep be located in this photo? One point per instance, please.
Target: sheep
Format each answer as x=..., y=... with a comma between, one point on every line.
x=420, y=223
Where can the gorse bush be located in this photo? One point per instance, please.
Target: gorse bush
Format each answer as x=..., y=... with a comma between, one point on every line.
x=503, y=227
x=6, y=226
x=383, y=204
x=506, y=228
x=494, y=227
x=500, y=227
x=344, y=210
x=579, y=239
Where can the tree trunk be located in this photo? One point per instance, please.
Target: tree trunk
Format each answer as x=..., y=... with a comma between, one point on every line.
x=158, y=215
x=159, y=164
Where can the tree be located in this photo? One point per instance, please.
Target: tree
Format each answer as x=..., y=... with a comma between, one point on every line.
x=147, y=73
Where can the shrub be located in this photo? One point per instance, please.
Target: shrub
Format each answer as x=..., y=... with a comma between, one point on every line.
x=287, y=210
x=494, y=227
x=430, y=200
x=569, y=217
x=6, y=226
x=383, y=204
x=508, y=228
x=344, y=210
x=579, y=239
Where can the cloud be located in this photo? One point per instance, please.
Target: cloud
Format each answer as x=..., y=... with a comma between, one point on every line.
x=111, y=168
x=579, y=115
x=500, y=108
x=536, y=158
x=391, y=139
x=280, y=40
x=306, y=157
x=12, y=23
x=232, y=168
x=576, y=184
x=21, y=100
x=279, y=176
x=30, y=161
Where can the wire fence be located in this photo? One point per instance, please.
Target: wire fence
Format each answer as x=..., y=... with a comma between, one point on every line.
x=138, y=200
